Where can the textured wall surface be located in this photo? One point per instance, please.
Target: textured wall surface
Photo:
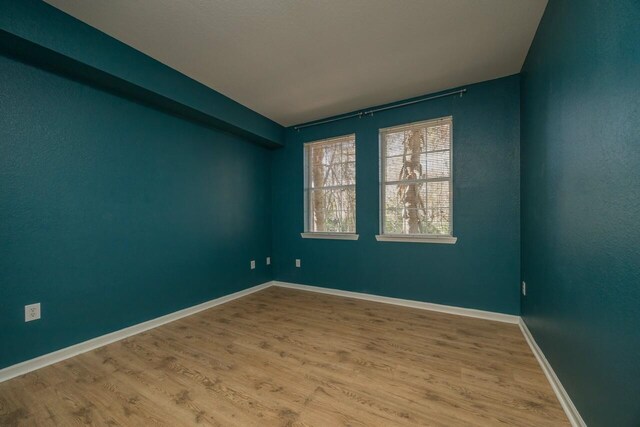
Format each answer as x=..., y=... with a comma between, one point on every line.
x=580, y=203
x=114, y=213
x=481, y=271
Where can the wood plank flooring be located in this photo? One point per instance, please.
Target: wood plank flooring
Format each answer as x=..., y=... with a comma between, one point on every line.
x=283, y=357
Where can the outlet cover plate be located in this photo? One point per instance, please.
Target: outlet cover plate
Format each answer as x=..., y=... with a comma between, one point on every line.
x=31, y=312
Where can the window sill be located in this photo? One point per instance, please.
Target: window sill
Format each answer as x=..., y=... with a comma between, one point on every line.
x=333, y=236
x=417, y=239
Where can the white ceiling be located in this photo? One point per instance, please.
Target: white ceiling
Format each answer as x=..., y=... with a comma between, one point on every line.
x=300, y=60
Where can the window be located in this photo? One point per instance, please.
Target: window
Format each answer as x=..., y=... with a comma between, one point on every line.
x=330, y=188
x=416, y=185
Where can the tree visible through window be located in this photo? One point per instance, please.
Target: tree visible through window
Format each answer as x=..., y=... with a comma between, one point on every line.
x=416, y=184
x=330, y=185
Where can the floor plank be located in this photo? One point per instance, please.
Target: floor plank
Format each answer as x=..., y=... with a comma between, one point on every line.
x=283, y=357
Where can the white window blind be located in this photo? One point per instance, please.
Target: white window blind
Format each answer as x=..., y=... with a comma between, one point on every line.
x=330, y=185
x=416, y=183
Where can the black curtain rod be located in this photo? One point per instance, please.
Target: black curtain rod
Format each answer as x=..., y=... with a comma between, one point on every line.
x=375, y=110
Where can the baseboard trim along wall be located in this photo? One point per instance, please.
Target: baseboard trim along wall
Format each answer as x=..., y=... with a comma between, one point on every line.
x=569, y=408
x=76, y=349
x=469, y=312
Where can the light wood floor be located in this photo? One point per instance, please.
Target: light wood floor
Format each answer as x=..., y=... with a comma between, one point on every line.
x=282, y=357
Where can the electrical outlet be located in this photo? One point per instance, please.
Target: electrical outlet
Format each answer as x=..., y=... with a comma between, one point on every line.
x=298, y=263
x=31, y=312
x=253, y=264
x=524, y=288
x=268, y=260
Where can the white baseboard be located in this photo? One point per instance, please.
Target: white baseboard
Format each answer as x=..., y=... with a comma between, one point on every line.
x=565, y=401
x=572, y=413
x=76, y=349
x=469, y=312
x=65, y=353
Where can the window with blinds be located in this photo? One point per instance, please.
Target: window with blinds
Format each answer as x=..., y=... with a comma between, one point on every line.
x=330, y=185
x=416, y=184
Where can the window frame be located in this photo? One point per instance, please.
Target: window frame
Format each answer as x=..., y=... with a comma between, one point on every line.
x=307, y=212
x=414, y=238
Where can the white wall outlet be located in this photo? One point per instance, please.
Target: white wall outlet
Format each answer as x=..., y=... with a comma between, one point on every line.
x=524, y=288
x=298, y=263
x=31, y=312
x=268, y=260
x=253, y=264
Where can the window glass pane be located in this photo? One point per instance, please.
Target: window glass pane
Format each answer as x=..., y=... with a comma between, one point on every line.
x=342, y=174
x=438, y=164
x=438, y=194
x=393, y=221
x=405, y=206
x=317, y=166
x=394, y=168
x=338, y=222
x=412, y=195
x=333, y=199
x=394, y=144
x=391, y=196
x=437, y=221
x=439, y=137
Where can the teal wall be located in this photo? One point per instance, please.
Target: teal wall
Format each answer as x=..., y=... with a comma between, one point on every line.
x=580, y=203
x=113, y=213
x=481, y=270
